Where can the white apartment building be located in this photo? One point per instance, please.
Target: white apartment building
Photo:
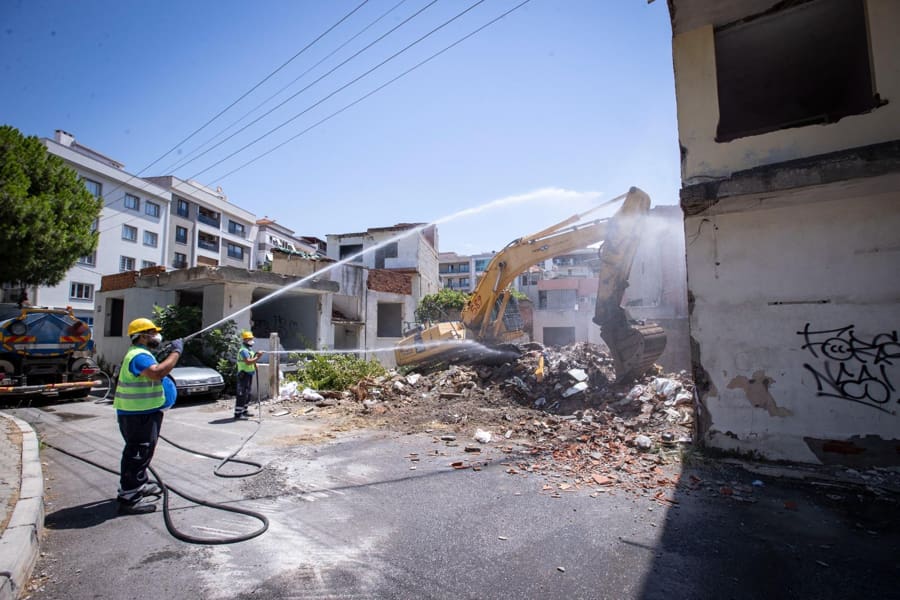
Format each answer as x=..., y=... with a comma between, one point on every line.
x=132, y=226
x=205, y=228
x=271, y=235
x=455, y=272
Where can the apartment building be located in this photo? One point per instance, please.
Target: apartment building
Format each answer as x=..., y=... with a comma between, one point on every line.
x=205, y=229
x=455, y=272
x=791, y=200
x=132, y=225
x=271, y=236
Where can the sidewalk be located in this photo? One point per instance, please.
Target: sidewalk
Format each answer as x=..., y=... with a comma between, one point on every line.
x=21, y=504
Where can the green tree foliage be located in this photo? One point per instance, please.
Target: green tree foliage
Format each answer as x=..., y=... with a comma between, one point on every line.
x=336, y=372
x=440, y=306
x=46, y=213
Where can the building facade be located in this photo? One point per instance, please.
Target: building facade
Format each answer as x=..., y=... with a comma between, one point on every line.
x=132, y=226
x=791, y=200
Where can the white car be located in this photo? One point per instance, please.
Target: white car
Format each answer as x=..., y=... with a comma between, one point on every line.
x=194, y=379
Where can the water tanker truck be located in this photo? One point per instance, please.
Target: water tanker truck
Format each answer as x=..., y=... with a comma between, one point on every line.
x=44, y=351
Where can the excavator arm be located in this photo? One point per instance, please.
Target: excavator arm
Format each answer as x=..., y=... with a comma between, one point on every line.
x=487, y=318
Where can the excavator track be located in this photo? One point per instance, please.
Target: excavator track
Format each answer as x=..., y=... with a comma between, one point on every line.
x=634, y=347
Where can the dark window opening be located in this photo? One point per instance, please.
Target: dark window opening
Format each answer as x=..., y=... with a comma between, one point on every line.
x=348, y=250
x=389, y=319
x=388, y=251
x=115, y=312
x=803, y=65
x=559, y=336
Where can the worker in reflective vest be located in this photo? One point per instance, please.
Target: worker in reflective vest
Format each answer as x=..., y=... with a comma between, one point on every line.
x=246, y=366
x=143, y=392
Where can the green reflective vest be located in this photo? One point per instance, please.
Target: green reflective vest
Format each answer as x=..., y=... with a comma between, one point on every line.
x=242, y=366
x=135, y=393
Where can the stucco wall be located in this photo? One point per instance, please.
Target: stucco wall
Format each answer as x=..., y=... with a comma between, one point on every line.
x=794, y=322
x=698, y=110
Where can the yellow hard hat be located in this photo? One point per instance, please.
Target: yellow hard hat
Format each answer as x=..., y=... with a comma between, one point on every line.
x=141, y=325
x=246, y=335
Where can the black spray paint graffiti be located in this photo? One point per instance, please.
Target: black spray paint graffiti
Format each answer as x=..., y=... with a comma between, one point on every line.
x=853, y=369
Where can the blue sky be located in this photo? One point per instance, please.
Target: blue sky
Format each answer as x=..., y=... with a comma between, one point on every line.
x=565, y=94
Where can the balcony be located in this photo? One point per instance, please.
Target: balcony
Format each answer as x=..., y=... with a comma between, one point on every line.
x=208, y=219
x=453, y=269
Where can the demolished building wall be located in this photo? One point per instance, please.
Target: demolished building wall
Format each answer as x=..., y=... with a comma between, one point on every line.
x=791, y=239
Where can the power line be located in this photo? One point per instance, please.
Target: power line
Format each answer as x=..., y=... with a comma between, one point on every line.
x=335, y=68
x=373, y=92
x=343, y=87
x=179, y=163
x=245, y=94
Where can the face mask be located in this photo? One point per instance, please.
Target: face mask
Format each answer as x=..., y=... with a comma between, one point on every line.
x=249, y=343
x=154, y=341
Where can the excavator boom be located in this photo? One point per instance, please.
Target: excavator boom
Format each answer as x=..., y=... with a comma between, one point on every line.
x=490, y=318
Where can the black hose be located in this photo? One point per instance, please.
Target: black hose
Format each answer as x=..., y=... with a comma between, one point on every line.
x=170, y=526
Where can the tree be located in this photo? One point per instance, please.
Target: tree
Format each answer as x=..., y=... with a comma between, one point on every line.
x=46, y=213
x=442, y=306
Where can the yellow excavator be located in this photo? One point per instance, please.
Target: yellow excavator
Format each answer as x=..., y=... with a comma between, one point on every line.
x=491, y=320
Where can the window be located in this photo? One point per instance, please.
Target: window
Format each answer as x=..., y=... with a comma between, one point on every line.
x=182, y=207
x=387, y=251
x=146, y=264
x=557, y=299
x=81, y=291
x=132, y=202
x=93, y=187
x=180, y=261
x=208, y=242
x=464, y=282
x=236, y=228
x=90, y=260
x=126, y=263
x=151, y=209
x=802, y=65
x=235, y=251
x=151, y=239
x=95, y=224
x=348, y=250
x=210, y=217
x=181, y=234
x=115, y=317
x=389, y=319
x=129, y=233
x=481, y=264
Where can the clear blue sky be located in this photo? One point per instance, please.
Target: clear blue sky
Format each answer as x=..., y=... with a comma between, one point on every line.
x=570, y=94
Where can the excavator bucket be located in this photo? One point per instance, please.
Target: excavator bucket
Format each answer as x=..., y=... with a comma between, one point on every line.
x=634, y=347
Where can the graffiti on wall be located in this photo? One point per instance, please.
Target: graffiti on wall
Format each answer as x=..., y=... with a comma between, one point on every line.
x=851, y=368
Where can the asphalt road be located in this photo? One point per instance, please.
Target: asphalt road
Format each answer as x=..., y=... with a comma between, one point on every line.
x=350, y=518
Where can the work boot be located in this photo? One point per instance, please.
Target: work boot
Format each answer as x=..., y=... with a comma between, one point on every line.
x=137, y=508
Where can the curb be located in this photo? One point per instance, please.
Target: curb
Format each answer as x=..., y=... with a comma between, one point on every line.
x=20, y=541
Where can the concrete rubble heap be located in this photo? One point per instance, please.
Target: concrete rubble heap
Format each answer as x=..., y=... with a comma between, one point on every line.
x=569, y=422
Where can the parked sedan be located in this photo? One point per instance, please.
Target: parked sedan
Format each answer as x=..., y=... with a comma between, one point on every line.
x=194, y=379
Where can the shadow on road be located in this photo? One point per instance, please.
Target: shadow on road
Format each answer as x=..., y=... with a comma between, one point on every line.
x=82, y=516
x=732, y=534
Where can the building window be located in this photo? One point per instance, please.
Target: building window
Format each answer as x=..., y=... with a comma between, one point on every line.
x=115, y=317
x=207, y=242
x=464, y=282
x=481, y=264
x=386, y=251
x=90, y=260
x=93, y=187
x=236, y=228
x=389, y=319
x=132, y=202
x=126, y=263
x=152, y=209
x=348, y=250
x=805, y=64
x=81, y=291
x=182, y=207
x=181, y=234
x=235, y=251
x=210, y=217
x=151, y=239
x=129, y=233
x=180, y=261
x=146, y=264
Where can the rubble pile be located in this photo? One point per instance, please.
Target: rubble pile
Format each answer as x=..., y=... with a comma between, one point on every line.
x=557, y=412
